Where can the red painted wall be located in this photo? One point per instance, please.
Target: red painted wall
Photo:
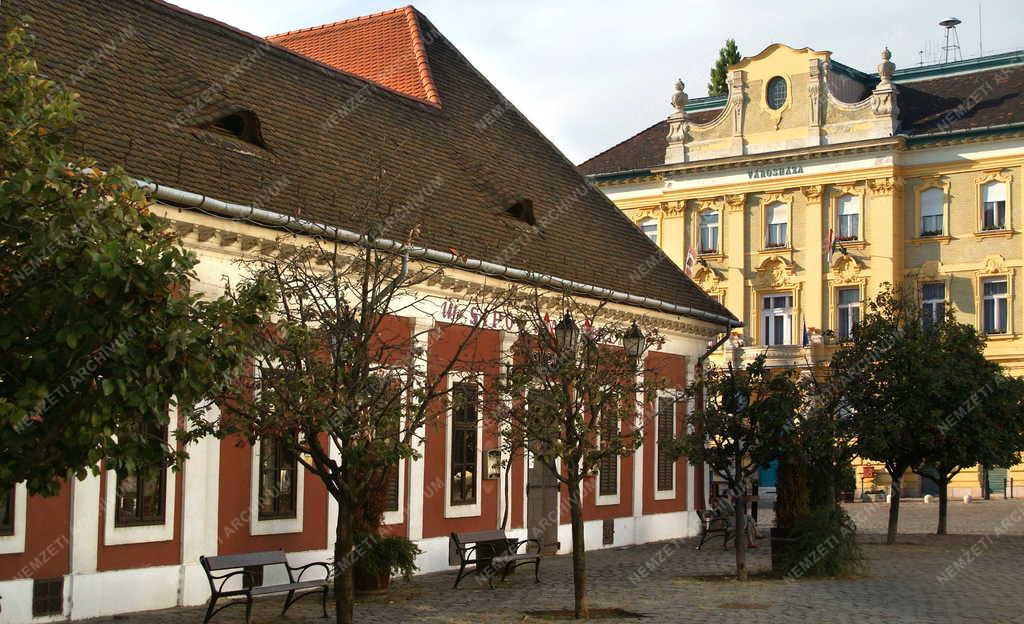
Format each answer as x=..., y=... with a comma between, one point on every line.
x=235, y=515
x=671, y=368
x=47, y=539
x=480, y=353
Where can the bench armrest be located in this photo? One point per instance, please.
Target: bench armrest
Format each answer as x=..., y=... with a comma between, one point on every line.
x=304, y=568
x=527, y=541
x=224, y=578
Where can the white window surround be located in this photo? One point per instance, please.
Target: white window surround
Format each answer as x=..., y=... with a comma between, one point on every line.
x=932, y=202
x=461, y=511
x=275, y=526
x=776, y=232
x=848, y=209
x=13, y=544
x=664, y=494
x=398, y=515
x=117, y=536
x=609, y=499
x=1000, y=304
x=770, y=335
x=994, y=193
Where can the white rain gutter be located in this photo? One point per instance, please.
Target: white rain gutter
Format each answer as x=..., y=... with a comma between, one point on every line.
x=274, y=219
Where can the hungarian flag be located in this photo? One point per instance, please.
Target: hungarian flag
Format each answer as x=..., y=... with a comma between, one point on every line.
x=830, y=246
x=691, y=262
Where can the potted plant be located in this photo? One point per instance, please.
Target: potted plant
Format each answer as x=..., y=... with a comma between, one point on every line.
x=381, y=557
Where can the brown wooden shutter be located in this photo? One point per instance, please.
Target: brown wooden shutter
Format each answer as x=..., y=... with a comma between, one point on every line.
x=666, y=431
x=608, y=469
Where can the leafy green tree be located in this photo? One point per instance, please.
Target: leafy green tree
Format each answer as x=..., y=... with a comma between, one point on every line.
x=729, y=55
x=98, y=328
x=741, y=420
x=981, y=411
x=897, y=369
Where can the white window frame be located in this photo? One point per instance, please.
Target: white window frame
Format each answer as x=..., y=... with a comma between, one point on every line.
x=398, y=516
x=931, y=303
x=849, y=307
x=116, y=536
x=716, y=228
x=15, y=543
x=769, y=313
x=671, y=493
x=646, y=222
x=272, y=526
x=473, y=510
x=1002, y=212
x=995, y=307
x=772, y=211
x=941, y=211
x=847, y=200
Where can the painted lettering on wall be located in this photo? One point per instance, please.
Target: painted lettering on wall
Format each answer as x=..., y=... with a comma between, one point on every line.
x=453, y=312
x=774, y=172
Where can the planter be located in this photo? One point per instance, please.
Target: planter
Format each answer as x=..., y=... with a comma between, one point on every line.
x=781, y=544
x=371, y=584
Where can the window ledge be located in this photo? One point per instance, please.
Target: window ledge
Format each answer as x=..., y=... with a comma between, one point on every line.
x=924, y=240
x=771, y=250
x=998, y=337
x=994, y=234
x=853, y=244
x=716, y=256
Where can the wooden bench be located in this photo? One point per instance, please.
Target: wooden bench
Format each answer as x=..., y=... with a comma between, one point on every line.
x=711, y=523
x=252, y=585
x=491, y=552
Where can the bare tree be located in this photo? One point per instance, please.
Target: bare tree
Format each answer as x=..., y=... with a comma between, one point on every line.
x=341, y=380
x=575, y=390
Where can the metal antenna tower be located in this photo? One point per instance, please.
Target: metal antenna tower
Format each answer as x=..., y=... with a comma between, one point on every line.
x=952, y=44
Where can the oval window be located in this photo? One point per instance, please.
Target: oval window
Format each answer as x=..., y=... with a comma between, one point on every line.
x=776, y=92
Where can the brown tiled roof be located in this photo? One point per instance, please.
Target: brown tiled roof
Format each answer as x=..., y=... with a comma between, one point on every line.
x=643, y=150
x=339, y=149
x=961, y=102
x=965, y=101
x=386, y=48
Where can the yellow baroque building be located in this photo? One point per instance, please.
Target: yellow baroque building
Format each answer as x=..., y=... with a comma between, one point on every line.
x=915, y=174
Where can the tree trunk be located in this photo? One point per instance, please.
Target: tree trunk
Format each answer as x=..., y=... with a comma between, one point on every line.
x=579, y=552
x=740, y=508
x=740, y=511
x=344, y=561
x=943, y=506
x=894, y=507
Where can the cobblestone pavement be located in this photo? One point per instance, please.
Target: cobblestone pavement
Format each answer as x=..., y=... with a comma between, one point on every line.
x=975, y=518
x=922, y=579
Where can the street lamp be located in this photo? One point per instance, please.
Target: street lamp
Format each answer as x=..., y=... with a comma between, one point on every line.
x=567, y=334
x=633, y=342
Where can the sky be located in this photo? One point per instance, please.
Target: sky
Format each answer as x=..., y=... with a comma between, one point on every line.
x=591, y=74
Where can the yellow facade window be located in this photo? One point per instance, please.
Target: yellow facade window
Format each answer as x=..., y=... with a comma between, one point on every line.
x=933, y=222
x=995, y=306
x=710, y=226
x=848, y=215
x=993, y=206
x=650, y=228
x=777, y=319
x=776, y=233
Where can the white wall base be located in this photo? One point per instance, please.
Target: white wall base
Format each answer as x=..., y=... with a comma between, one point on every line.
x=99, y=594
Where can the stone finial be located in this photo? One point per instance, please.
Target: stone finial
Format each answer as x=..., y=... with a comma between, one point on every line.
x=886, y=67
x=679, y=98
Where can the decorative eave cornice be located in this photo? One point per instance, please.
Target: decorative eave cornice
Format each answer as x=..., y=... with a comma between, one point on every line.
x=803, y=153
x=254, y=241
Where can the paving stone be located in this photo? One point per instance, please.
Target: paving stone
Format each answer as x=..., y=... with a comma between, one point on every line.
x=916, y=581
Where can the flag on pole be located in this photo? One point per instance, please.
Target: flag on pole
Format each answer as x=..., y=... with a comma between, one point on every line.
x=807, y=335
x=691, y=262
x=830, y=246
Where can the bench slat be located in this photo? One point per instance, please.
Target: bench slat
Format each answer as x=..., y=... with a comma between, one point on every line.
x=224, y=562
x=280, y=589
x=479, y=536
